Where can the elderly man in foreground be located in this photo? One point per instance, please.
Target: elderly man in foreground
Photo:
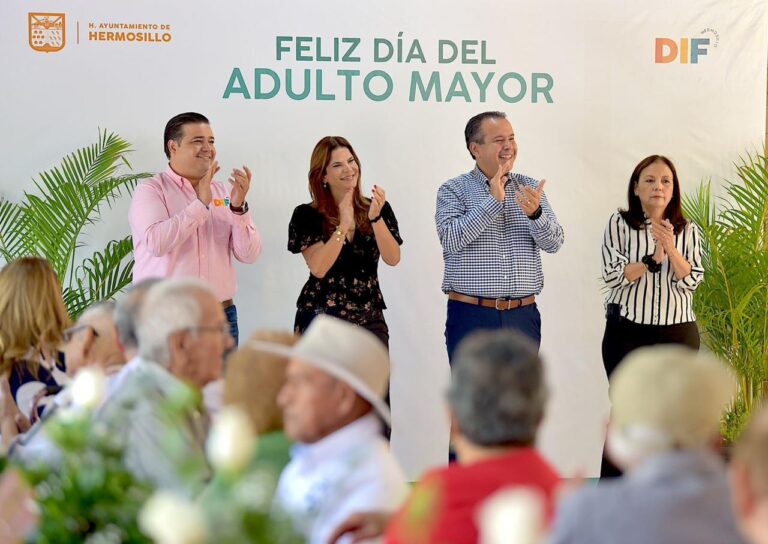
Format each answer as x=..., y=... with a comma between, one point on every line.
x=156, y=404
x=333, y=407
x=667, y=404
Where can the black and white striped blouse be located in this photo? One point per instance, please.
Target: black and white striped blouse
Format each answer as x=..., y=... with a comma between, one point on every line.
x=652, y=299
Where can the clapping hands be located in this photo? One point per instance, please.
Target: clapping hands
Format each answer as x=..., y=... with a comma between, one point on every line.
x=663, y=234
x=499, y=180
x=529, y=199
x=378, y=198
x=241, y=182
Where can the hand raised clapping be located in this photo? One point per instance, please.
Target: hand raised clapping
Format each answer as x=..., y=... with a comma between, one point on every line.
x=347, y=211
x=499, y=179
x=529, y=199
x=203, y=188
x=378, y=198
x=241, y=182
x=664, y=234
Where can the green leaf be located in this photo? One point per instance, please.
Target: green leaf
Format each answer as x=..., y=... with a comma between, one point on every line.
x=731, y=304
x=52, y=221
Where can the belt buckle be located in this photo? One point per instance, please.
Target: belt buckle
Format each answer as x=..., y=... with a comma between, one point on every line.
x=502, y=300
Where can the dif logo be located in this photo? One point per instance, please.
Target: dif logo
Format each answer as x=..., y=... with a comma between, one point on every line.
x=687, y=50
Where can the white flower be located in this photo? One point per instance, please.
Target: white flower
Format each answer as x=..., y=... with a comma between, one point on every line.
x=512, y=515
x=168, y=518
x=231, y=442
x=89, y=387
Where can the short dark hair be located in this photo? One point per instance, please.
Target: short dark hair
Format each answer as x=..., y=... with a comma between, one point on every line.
x=472, y=130
x=634, y=215
x=498, y=392
x=174, y=128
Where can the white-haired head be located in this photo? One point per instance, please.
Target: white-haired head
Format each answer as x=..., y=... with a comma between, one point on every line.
x=169, y=306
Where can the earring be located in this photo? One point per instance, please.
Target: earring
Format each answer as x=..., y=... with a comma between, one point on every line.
x=325, y=185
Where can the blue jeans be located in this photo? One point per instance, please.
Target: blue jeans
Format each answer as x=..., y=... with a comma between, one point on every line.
x=464, y=319
x=231, y=312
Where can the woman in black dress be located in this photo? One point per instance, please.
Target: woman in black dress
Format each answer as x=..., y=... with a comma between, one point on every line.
x=341, y=235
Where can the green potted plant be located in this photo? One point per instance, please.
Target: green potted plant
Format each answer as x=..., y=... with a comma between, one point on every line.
x=732, y=303
x=69, y=198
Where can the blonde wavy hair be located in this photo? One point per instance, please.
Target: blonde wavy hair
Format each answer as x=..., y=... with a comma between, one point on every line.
x=32, y=311
x=254, y=378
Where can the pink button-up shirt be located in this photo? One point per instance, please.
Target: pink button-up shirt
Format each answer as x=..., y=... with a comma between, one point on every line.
x=175, y=235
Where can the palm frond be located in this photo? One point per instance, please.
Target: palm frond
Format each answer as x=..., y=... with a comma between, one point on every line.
x=14, y=231
x=104, y=274
x=732, y=302
x=69, y=198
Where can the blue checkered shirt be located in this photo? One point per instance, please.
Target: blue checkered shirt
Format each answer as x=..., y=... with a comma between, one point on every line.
x=491, y=248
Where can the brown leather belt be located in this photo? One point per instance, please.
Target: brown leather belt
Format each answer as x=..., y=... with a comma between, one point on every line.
x=497, y=303
x=227, y=303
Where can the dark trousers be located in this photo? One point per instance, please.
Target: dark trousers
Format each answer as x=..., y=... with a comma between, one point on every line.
x=231, y=312
x=377, y=326
x=623, y=336
x=464, y=318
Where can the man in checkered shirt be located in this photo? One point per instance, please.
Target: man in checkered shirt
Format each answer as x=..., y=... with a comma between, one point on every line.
x=492, y=224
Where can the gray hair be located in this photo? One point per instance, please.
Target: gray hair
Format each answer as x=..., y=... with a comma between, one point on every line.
x=103, y=307
x=497, y=391
x=127, y=312
x=171, y=305
x=472, y=130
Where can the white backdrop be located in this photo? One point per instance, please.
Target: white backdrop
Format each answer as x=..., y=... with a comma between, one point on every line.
x=611, y=105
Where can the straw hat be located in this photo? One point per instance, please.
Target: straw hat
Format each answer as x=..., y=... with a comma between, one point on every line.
x=253, y=380
x=348, y=352
x=672, y=390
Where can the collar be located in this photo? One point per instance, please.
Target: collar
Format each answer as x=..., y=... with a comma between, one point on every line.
x=360, y=431
x=675, y=464
x=480, y=176
x=177, y=179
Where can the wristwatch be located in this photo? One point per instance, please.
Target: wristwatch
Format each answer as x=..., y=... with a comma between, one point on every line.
x=239, y=210
x=651, y=264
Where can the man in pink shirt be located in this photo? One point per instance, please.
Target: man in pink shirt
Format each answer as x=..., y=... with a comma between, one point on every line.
x=185, y=224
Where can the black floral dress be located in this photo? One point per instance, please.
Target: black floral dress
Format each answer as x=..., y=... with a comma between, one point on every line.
x=350, y=289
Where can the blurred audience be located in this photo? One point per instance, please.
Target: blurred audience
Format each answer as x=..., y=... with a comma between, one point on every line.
x=156, y=404
x=33, y=318
x=333, y=406
x=749, y=479
x=496, y=400
x=126, y=316
x=252, y=381
x=667, y=404
x=91, y=342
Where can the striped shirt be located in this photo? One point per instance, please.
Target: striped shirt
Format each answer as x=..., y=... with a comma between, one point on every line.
x=490, y=248
x=652, y=299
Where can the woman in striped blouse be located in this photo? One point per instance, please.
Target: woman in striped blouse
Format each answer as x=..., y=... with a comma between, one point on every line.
x=651, y=266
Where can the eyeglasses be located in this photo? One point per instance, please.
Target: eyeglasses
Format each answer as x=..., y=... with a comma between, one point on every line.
x=221, y=329
x=69, y=333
